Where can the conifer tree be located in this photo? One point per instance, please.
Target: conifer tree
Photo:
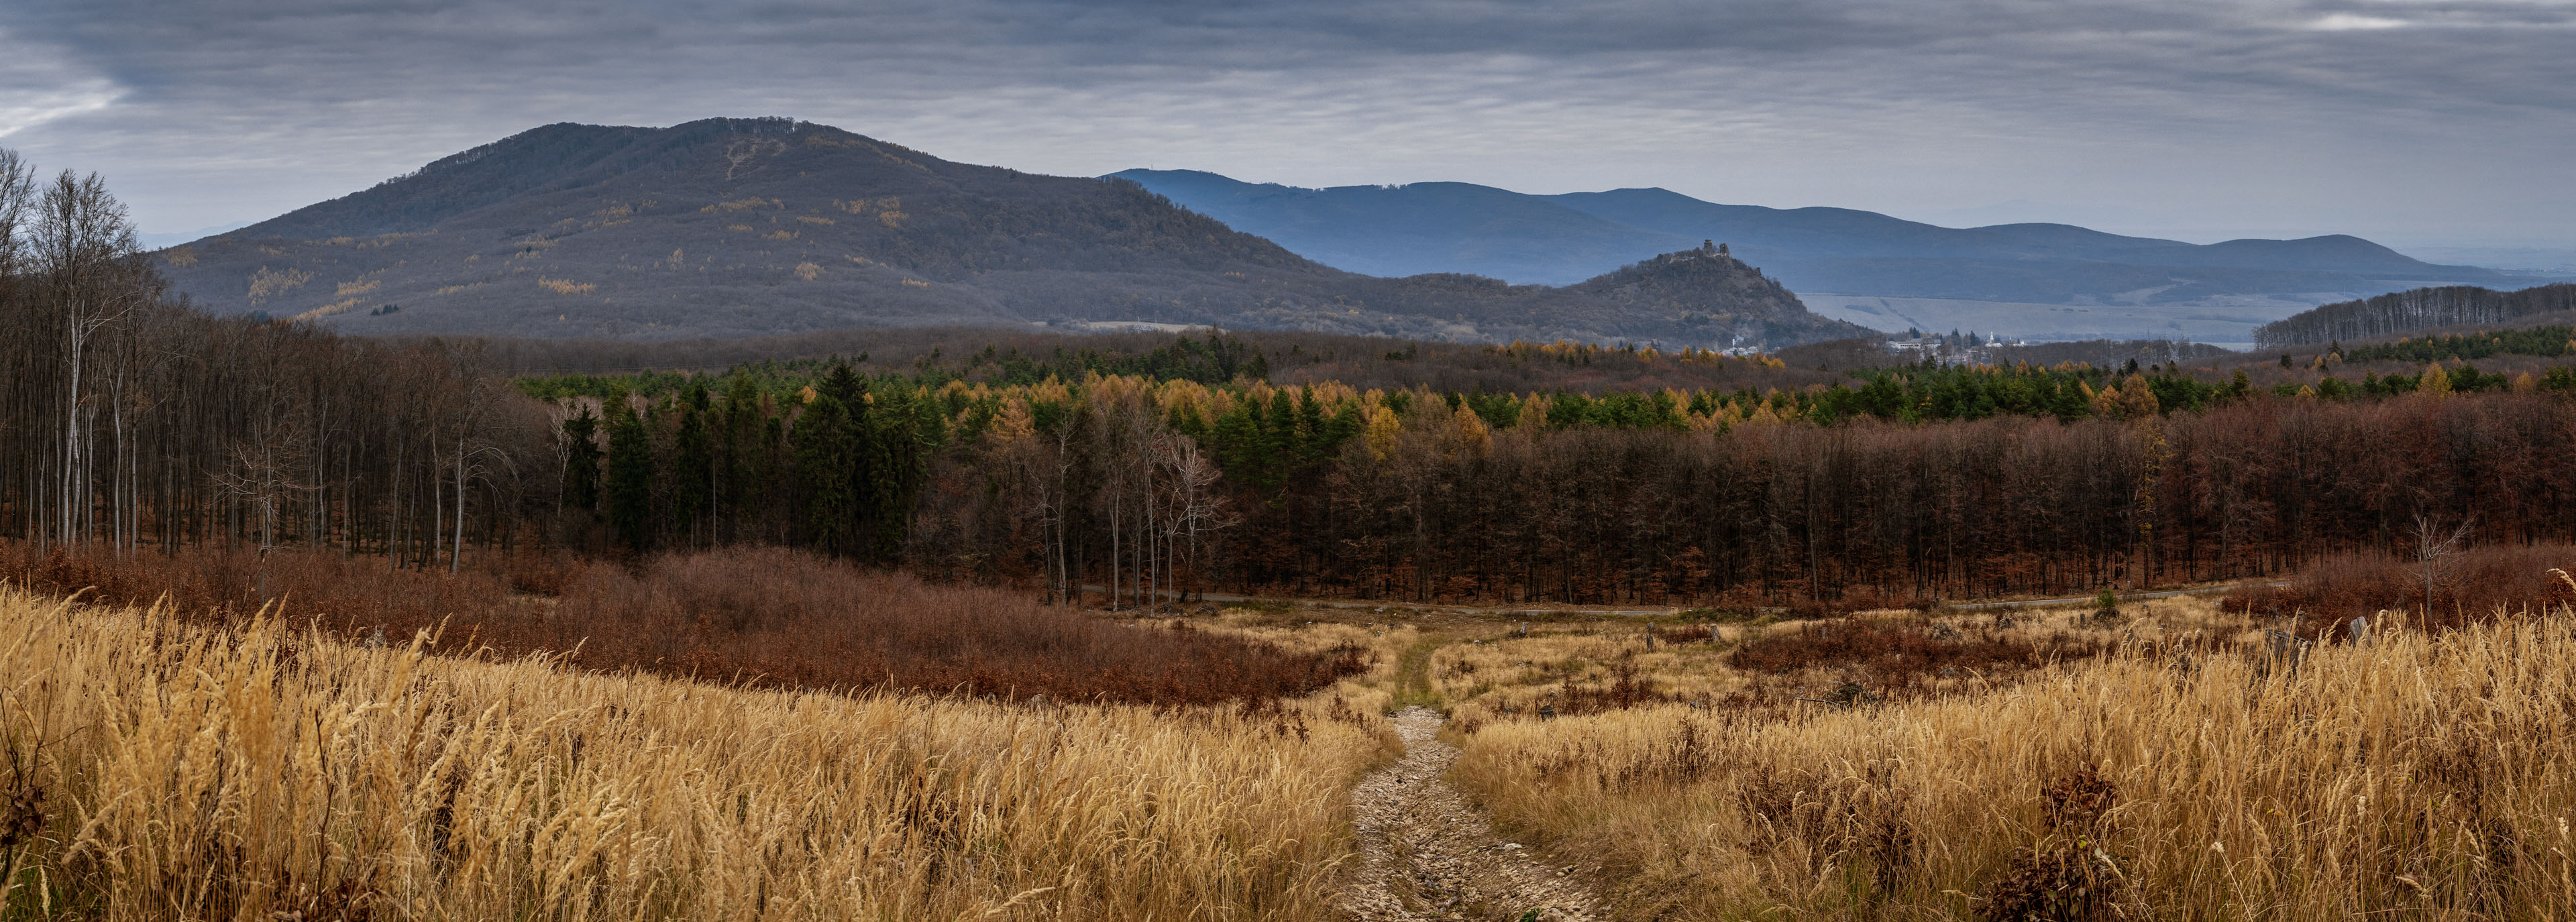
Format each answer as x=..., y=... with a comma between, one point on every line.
x=826, y=453
x=630, y=478
x=899, y=447
x=581, y=462
x=692, y=465
x=741, y=462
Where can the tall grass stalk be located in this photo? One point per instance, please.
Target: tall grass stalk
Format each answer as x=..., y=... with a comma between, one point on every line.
x=255, y=772
x=2415, y=776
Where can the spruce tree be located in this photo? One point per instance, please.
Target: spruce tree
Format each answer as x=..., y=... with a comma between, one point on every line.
x=741, y=460
x=581, y=462
x=826, y=453
x=630, y=478
x=898, y=461
x=692, y=467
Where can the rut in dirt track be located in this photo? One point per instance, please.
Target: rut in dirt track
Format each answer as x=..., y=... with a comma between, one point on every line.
x=1426, y=854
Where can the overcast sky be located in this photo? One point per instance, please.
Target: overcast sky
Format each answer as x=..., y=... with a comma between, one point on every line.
x=2409, y=122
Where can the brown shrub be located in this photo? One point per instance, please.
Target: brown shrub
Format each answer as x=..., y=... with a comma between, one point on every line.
x=2053, y=882
x=1897, y=656
x=777, y=616
x=762, y=616
x=2467, y=587
x=1627, y=689
x=220, y=584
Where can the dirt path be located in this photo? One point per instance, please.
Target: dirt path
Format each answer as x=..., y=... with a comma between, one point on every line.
x=1426, y=854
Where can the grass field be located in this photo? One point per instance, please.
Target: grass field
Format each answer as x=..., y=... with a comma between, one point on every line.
x=2182, y=772
x=2175, y=761
x=156, y=769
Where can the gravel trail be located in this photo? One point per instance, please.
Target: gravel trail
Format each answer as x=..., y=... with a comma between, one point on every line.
x=1426, y=854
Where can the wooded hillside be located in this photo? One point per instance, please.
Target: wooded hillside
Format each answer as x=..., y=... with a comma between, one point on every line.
x=2409, y=311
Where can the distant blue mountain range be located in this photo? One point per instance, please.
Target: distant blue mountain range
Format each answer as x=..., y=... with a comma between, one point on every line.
x=1559, y=239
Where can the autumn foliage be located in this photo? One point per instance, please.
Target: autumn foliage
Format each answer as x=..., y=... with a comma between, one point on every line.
x=762, y=616
x=2472, y=586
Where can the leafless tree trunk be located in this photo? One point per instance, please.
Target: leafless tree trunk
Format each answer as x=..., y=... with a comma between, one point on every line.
x=2434, y=541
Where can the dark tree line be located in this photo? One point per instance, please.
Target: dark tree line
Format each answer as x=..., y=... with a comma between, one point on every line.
x=2408, y=311
x=2004, y=505
x=2546, y=341
x=1134, y=487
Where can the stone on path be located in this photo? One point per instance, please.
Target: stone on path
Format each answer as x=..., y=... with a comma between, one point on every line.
x=1426, y=854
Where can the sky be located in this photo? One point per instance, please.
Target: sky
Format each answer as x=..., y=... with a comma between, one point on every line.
x=2413, y=122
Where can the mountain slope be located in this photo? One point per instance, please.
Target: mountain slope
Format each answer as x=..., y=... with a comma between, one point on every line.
x=752, y=226
x=1423, y=227
x=1564, y=238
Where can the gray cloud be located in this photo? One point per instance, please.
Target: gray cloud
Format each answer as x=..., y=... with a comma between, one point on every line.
x=2400, y=119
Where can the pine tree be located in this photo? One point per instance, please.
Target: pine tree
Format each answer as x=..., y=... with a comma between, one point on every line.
x=630, y=478
x=826, y=453
x=1311, y=435
x=742, y=462
x=692, y=465
x=1233, y=441
x=581, y=462
x=899, y=447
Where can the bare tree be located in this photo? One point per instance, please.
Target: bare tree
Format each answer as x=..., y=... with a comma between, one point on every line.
x=262, y=475
x=1197, y=509
x=2434, y=541
x=93, y=276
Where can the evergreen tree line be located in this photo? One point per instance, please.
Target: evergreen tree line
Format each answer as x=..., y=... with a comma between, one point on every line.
x=836, y=466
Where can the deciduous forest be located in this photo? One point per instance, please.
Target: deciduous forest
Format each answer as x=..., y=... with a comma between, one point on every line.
x=1182, y=467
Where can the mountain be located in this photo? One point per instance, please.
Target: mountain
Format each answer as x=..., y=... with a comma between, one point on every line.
x=1555, y=239
x=730, y=227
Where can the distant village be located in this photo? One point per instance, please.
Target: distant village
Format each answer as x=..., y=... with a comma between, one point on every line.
x=1955, y=348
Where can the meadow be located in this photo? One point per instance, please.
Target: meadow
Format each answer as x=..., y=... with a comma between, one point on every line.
x=2173, y=758
x=2175, y=763
x=164, y=768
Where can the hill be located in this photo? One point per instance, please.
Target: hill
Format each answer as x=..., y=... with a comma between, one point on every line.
x=738, y=227
x=1555, y=239
x=2410, y=311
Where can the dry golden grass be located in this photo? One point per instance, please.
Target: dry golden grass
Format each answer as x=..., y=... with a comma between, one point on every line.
x=566, y=286
x=270, y=774
x=1482, y=678
x=2188, y=776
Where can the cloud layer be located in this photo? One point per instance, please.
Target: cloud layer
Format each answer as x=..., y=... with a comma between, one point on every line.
x=2404, y=120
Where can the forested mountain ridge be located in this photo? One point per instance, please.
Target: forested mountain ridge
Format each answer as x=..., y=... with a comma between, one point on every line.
x=2408, y=311
x=1460, y=227
x=736, y=227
